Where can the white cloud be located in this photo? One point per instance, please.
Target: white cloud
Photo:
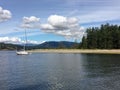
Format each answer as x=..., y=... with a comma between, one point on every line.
x=16, y=40
x=30, y=19
x=4, y=15
x=34, y=42
x=30, y=22
x=47, y=26
x=73, y=33
x=10, y=40
x=64, y=26
x=72, y=20
x=57, y=21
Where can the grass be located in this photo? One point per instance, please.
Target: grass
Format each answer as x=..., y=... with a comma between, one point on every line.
x=97, y=51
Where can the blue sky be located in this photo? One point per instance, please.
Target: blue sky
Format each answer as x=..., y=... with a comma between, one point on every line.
x=54, y=20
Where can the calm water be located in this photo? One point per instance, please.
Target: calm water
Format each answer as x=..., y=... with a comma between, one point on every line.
x=46, y=71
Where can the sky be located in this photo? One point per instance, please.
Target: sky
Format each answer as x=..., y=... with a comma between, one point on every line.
x=54, y=20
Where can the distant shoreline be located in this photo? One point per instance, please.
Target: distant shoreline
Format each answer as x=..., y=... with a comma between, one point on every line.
x=92, y=51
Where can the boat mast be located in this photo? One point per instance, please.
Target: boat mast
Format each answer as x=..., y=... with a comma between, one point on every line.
x=25, y=39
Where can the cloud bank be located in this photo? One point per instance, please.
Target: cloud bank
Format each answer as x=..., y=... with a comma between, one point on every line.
x=16, y=40
x=4, y=14
x=65, y=26
x=10, y=40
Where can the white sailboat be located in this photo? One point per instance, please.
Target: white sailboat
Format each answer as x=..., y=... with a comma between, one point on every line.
x=23, y=52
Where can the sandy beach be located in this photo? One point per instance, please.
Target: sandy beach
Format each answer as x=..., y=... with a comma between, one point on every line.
x=97, y=51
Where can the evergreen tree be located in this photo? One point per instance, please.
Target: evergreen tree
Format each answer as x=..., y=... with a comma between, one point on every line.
x=105, y=37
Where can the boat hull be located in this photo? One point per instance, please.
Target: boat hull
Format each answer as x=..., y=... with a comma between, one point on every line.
x=22, y=53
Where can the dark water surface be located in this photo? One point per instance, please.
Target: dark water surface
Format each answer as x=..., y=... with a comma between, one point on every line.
x=50, y=71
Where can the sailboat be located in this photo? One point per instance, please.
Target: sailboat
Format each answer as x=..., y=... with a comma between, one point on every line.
x=23, y=52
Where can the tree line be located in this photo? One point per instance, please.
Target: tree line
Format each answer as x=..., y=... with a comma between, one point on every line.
x=104, y=37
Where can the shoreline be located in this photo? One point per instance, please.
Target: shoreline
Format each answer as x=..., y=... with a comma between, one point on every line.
x=89, y=51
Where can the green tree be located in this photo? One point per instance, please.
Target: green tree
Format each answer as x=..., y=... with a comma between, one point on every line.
x=105, y=37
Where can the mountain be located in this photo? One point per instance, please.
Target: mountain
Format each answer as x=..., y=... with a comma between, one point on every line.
x=56, y=44
x=6, y=46
x=45, y=45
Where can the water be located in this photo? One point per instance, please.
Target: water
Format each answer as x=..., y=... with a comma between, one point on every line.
x=51, y=71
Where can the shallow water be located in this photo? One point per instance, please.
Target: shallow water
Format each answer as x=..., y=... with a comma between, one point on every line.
x=51, y=71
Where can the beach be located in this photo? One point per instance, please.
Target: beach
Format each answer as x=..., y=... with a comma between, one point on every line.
x=96, y=51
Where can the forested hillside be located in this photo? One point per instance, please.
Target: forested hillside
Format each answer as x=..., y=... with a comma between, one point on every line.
x=4, y=46
x=57, y=45
x=105, y=37
x=45, y=45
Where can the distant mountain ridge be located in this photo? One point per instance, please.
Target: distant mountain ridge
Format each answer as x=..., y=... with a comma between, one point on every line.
x=56, y=44
x=45, y=45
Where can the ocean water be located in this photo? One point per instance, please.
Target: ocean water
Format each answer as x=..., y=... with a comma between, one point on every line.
x=56, y=71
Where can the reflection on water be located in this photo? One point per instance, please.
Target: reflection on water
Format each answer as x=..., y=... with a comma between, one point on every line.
x=50, y=71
